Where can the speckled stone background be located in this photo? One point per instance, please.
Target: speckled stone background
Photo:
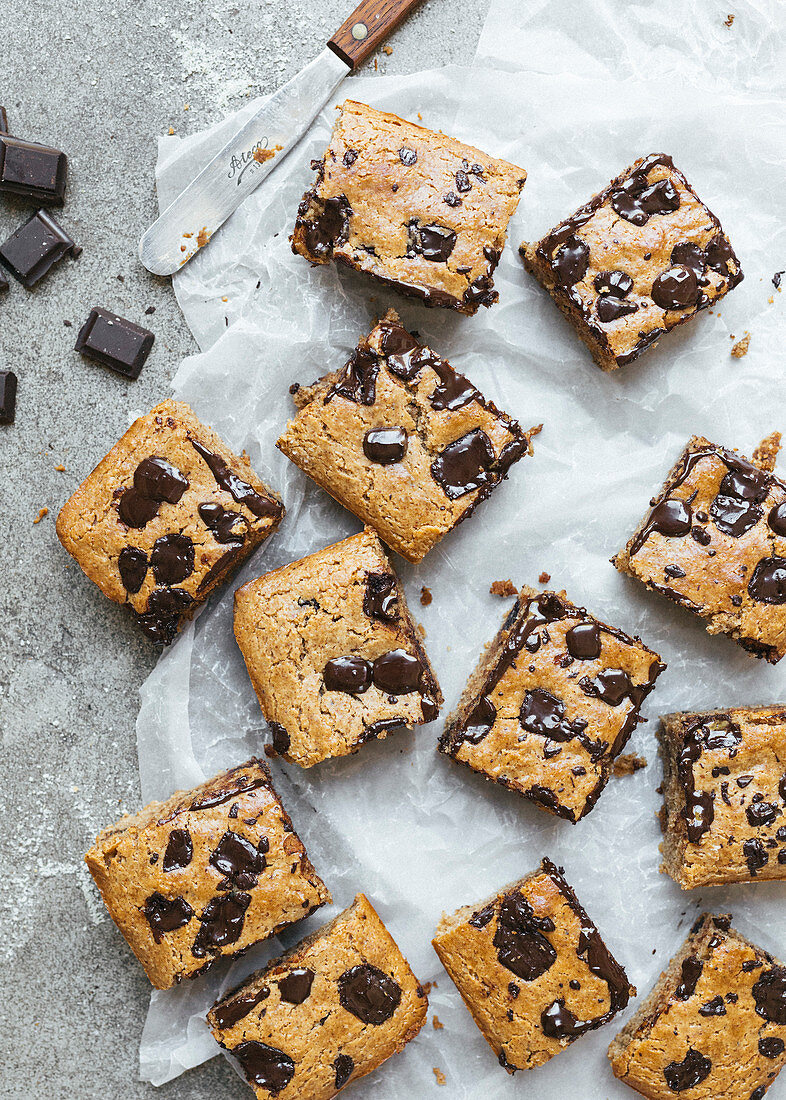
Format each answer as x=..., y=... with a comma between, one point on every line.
x=101, y=81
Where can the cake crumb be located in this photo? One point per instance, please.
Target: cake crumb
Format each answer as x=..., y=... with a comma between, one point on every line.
x=171, y=130
x=440, y=1076
x=41, y=514
x=628, y=764
x=741, y=347
x=388, y=50
x=60, y=468
x=428, y=986
x=544, y=578
x=437, y=1023
x=766, y=454
x=729, y=20
x=503, y=588
x=425, y=596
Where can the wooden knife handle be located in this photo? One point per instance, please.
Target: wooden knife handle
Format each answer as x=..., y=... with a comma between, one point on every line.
x=367, y=27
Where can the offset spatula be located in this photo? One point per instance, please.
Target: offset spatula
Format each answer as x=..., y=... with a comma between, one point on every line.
x=263, y=142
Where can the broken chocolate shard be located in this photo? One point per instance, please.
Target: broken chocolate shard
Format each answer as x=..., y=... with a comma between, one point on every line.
x=114, y=342
x=32, y=171
x=369, y=994
x=8, y=384
x=35, y=247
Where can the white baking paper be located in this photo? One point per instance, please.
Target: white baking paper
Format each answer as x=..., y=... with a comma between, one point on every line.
x=404, y=824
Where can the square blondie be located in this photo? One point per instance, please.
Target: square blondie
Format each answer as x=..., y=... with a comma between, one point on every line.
x=641, y=257
x=713, y=1026
x=714, y=542
x=414, y=208
x=166, y=517
x=335, y=658
x=205, y=874
x=402, y=439
x=552, y=703
x=532, y=968
x=724, y=795
x=331, y=1010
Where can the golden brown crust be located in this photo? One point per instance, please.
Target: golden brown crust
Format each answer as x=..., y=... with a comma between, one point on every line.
x=402, y=390
x=91, y=523
x=323, y=1042
x=723, y=795
x=381, y=181
x=712, y=545
x=178, y=910
x=553, y=725
x=666, y=254
x=714, y=1024
x=290, y=623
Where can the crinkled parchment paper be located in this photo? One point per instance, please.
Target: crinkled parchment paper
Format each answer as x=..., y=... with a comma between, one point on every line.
x=572, y=92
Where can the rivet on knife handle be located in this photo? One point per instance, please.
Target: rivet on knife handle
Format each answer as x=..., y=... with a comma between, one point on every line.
x=367, y=28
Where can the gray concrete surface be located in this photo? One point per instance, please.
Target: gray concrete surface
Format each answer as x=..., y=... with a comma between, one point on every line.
x=101, y=80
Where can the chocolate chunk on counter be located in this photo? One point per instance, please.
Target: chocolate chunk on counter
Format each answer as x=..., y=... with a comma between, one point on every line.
x=3, y=121
x=402, y=439
x=166, y=517
x=333, y=653
x=714, y=542
x=349, y=972
x=411, y=207
x=724, y=795
x=114, y=342
x=35, y=172
x=641, y=257
x=35, y=247
x=8, y=382
x=714, y=1024
x=229, y=871
x=552, y=703
x=532, y=968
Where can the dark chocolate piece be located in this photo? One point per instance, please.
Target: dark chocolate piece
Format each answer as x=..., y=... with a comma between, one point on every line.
x=380, y=600
x=295, y=986
x=264, y=1066
x=221, y=922
x=344, y=1067
x=230, y=1012
x=166, y=914
x=385, y=446
x=179, y=851
x=114, y=342
x=8, y=383
x=239, y=490
x=368, y=993
x=35, y=247
x=4, y=122
x=36, y=172
x=238, y=860
x=691, y=1071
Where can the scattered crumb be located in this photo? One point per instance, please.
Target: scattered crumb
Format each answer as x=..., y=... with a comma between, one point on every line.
x=68, y=324
x=120, y=278
x=428, y=986
x=425, y=596
x=41, y=514
x=437, y=1023
x=766, y=454
x=202, y=237
x=440, y=1076
x=171, y=130
x=60, y=468
x=628, y=764
x=544, y=578
x=261, y=155
x=729, y=20
x=376, y=65
x=388, y=50
x=225, y=299
x=741, y=347
x=420, y=117
x=503, y=588
x=149, y=310
x=776, y=279
x=186, y=106
x=770, y=300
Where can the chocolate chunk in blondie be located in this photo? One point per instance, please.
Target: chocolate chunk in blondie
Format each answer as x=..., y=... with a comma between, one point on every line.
x=552, y=703
x=641, y=257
